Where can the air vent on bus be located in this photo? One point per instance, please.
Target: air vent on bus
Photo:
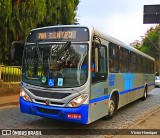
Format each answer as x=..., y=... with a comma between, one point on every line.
x=42, y=101
x=48, y=111
x=54, y=95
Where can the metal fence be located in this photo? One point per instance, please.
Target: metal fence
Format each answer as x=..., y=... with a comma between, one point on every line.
x=10, y=73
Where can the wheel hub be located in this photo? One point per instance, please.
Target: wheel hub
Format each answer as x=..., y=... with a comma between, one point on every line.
x=111, y=107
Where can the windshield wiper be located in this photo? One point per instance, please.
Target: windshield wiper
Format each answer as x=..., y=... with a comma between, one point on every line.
x=40, y=57
x=64, y=48
x=38, y=51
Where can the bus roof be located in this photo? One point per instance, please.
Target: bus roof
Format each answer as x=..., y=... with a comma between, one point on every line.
x=57, y=26
x=120, y=43
x=103, y=36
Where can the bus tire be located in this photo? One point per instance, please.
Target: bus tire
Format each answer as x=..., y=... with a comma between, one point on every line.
x=145, y=94
x=112, y=108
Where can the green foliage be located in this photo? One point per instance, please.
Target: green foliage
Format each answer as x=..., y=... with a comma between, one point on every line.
x=5, y=13
x=150, y=42
x=151, y=46
x=17, y=19
x=26, y=16
x=60, y=12
x=5, y=9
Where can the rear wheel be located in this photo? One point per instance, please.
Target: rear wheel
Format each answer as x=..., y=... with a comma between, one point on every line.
x=145, y=94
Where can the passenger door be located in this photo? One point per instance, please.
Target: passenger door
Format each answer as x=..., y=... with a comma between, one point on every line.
x=99, y=85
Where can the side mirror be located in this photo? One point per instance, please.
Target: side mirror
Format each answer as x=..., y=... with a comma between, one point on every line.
x=17, y=52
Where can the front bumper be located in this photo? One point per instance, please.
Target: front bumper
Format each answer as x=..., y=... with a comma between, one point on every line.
x=53, y=112
x=157, y=84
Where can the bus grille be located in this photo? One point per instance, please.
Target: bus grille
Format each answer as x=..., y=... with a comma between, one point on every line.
x=48, y=111
x=54, y=95
x=41, y=101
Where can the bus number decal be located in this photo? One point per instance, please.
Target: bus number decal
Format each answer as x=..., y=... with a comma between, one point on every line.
x=57, y=35
x=42, y=35
x=111, y=79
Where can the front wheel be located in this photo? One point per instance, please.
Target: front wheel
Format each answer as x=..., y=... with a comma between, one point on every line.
x=112, y=108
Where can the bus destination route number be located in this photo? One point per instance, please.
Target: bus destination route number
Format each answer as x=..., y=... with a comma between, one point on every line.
x=57, y=35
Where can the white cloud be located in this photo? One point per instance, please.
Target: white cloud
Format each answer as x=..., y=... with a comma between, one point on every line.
x=121, y=19
x=126, y=28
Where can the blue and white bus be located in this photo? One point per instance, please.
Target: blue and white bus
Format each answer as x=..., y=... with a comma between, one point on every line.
x=75, y=73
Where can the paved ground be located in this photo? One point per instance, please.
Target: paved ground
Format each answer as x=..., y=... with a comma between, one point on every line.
x=9, y=89
x=151, y=121
x=9, y=100
x=9, y=93
x=149, y=124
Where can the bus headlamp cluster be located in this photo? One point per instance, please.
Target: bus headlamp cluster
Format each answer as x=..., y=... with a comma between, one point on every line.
x=76, y=102
x=24, y=95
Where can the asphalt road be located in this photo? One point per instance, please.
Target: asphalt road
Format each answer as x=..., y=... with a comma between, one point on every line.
x=11, y=118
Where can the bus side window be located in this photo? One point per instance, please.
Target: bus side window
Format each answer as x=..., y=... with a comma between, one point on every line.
x=99, y=63
x=113, y=58
x=124, y=60
x=133, y=62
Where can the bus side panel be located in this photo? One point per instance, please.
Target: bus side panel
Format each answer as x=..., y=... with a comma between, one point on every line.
x=130, y=87
x=116, y=83
x=98, y=110
x=149, y=79
x=136, y=87
x=99, y=101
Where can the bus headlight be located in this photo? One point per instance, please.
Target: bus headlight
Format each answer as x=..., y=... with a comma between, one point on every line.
x=24, y=95
x=76, y=102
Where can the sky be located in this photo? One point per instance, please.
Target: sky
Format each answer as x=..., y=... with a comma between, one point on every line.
x=122, y=19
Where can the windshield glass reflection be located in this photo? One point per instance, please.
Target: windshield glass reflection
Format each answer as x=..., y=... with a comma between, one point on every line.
x=56, y=65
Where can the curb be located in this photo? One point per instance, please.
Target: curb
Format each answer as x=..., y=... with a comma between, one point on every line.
x=143, y=118
x=154, y=111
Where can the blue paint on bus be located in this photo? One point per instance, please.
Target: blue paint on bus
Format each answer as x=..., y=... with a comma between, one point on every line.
x=99, y=99
x=120, y=93
x=111, y=79
x=58, y=113
x=128, y=80
x=131, y=90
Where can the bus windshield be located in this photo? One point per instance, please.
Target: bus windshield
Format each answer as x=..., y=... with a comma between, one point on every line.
x=56, y=64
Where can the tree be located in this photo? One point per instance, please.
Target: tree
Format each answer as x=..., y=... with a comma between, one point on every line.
x=26, y=15
x=60, y=12
x=18, y=17
x=68, y=11
x=151, y=46
x=150, y=42
x=5, y=10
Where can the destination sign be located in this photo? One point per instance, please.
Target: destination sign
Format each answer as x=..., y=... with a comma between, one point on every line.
x=51, y=34
x=57, y=35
